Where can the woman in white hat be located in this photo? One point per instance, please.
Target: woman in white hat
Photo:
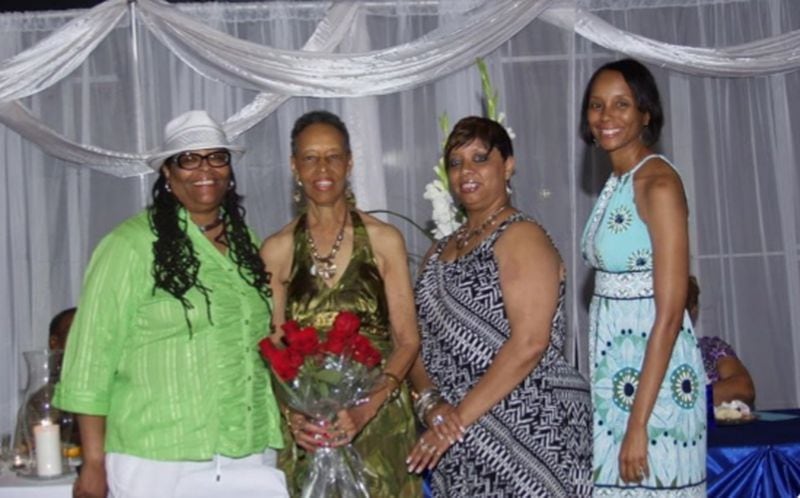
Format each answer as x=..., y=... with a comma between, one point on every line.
x=162, y=363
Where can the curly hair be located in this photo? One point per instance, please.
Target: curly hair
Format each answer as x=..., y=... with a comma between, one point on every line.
x=175, y=262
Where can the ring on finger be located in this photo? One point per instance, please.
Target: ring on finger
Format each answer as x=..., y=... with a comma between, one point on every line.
x=437, y=420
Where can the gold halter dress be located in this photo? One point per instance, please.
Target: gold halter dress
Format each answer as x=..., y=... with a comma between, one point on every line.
x=386, y=440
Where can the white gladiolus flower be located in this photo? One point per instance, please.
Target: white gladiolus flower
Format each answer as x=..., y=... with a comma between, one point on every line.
x=444, y=211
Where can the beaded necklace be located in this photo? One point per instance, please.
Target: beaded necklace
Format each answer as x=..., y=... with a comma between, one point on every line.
x=214, y=224
x=324, y=265
x=464, y=235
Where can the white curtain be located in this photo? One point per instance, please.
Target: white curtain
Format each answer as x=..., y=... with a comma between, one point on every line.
x=731, y=137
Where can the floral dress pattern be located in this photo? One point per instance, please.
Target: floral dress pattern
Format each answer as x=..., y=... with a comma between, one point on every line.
x=714, y=349
x=616, y=243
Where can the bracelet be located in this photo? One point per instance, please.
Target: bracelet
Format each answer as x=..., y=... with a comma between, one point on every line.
x=393, y=378
x=394, y=391
x=426, y=401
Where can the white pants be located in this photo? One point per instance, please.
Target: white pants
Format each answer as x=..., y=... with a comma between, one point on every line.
x=254, y=476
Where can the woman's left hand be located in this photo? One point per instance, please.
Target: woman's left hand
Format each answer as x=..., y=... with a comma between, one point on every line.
x=427, y=452
x=348, y=424
x=633, y=455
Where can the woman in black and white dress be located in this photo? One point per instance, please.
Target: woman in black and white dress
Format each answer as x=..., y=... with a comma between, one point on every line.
x=507, y=415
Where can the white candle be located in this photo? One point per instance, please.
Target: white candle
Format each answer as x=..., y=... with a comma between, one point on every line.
x=47, y=438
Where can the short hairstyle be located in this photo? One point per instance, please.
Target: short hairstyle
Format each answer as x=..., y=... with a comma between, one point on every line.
x=319, y=117
x=645, y=91
x=56, y=321
x=488, y=131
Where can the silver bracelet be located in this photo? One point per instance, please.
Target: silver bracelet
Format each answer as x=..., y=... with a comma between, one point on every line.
x=427, y=399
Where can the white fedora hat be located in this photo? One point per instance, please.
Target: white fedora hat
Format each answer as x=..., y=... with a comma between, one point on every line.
x=192, y=130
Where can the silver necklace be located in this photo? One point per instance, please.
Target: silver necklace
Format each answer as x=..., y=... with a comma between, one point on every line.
x=464, y=234
x=324, y=266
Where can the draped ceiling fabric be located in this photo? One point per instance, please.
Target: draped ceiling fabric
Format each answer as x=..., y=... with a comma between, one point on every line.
x=84, y=95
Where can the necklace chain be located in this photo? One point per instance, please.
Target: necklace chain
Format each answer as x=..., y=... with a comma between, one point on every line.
x=214, y=224
x=464, y=234
x=324, y=265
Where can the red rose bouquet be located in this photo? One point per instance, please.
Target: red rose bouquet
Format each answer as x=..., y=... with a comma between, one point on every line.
x=320, y=378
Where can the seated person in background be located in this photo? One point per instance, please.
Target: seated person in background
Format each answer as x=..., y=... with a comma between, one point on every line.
x=59, y=328
x=729, y=378
x=57, y=341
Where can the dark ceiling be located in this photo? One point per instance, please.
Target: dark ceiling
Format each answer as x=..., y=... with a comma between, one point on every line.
x=30, y=5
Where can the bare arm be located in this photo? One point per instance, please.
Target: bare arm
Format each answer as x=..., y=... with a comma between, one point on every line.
x=390, y=252
x=91, y=482
x=530, y=272
x=661, y=203
x=735, y=382
x=277, y=253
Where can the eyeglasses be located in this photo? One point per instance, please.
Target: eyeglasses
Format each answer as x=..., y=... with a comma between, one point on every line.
x=192, y=160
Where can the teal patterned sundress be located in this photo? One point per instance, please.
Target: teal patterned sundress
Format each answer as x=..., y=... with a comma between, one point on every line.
x=617, y=245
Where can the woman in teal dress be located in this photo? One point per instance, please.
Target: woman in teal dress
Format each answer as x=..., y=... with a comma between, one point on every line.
x=332, y=258
x=646, y=369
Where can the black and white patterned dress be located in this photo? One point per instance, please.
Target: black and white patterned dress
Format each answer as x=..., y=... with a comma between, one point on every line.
x=537, y=442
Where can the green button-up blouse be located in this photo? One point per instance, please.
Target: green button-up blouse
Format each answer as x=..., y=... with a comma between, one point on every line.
x=166, y=394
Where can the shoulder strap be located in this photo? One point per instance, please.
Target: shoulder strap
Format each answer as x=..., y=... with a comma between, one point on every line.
x=642, y=163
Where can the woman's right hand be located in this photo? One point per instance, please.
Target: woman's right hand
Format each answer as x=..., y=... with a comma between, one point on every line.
x=305, y=432
x=91, y=482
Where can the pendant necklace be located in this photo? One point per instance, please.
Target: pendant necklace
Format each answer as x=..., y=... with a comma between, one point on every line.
x=464, y=234
x=324, y=265
x=214, y=224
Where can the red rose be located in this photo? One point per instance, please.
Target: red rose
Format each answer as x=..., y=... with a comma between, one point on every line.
x=303, y=341
x=290, y=327
x=284, y=362
x=364, y=352
x=345, y=325
x=334, y=345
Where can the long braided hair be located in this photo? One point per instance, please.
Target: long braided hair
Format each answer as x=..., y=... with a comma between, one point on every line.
x=175, y=262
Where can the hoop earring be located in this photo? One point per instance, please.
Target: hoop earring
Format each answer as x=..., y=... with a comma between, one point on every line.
x=167, y=187
x=509, y=190
x=297, y=195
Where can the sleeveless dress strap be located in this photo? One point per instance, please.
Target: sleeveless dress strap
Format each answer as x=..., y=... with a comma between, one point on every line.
x=642, y=163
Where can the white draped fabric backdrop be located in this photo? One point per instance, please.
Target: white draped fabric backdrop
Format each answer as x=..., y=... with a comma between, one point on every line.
x=85, y=94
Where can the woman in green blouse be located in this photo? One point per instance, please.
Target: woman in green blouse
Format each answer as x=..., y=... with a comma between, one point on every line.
x=162, y=363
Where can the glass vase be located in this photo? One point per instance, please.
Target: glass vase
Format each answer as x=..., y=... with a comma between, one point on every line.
x=42, y=429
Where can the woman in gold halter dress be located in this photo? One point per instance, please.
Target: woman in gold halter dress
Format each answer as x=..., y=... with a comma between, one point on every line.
x=334, y=258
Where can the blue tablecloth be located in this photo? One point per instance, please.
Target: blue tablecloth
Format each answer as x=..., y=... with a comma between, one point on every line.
x=760, y=459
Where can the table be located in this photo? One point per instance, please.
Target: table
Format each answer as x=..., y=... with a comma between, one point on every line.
x=760, y=459
x=13, y=486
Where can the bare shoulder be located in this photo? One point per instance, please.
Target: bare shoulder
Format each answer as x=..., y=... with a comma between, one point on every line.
x=658, y=177
x=280, y=242
x=381, y=234
x=526, y=238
